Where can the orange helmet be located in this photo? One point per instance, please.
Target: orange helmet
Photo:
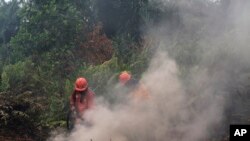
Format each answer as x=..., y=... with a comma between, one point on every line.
x=124, y=77
x=81, y=84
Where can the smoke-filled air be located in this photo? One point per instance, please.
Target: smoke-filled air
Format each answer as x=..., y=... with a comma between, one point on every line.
x=123, y=70
x=184, y=105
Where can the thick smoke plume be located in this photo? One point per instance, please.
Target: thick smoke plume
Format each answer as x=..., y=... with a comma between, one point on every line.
x=188, y=101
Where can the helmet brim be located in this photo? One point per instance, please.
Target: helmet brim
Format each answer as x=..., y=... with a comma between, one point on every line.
x=80, y=89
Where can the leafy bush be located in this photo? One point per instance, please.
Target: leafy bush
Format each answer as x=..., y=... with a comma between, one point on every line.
x=99, y=75
x=14, y=75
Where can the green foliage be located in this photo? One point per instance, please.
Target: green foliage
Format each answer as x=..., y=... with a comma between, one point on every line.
x=43, y=60
x=13, y=75
x=56, y=107
x=46, y=44
x=54, y=72
x=68, y=87
x=139, y=62
x=5, y=82
x=88, y=12
x=9, y=25
x=9, y=20
x=121, y=17
x=99, y=75
x=132, y=55
x=124, y=47
x=46, y=25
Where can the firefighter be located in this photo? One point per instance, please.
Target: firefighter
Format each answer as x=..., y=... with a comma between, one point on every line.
x=137, y=89
x=82, y=98
x=124, y=78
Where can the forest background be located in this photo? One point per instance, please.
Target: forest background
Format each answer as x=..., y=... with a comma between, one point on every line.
x=46, y=44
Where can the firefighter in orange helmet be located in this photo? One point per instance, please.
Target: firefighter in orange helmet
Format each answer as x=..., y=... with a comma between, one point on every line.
x=82, y=98
x=124, y=77
x=138, y=91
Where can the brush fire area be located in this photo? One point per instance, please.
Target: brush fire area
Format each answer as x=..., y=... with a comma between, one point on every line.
x=145, y=70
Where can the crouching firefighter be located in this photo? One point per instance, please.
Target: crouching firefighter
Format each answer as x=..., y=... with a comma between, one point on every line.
x=81, y=100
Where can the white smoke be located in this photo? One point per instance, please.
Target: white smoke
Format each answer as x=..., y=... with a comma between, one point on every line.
x=189, y=108
x=169, y=114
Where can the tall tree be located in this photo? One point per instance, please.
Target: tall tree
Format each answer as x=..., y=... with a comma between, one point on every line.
x=121, y=17
x=9, y=25
x=9, y=20
x=46, y=25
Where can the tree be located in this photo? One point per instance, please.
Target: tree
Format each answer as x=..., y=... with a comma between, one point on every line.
x=46, y=25
x=9, y=20
x=121, y=17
